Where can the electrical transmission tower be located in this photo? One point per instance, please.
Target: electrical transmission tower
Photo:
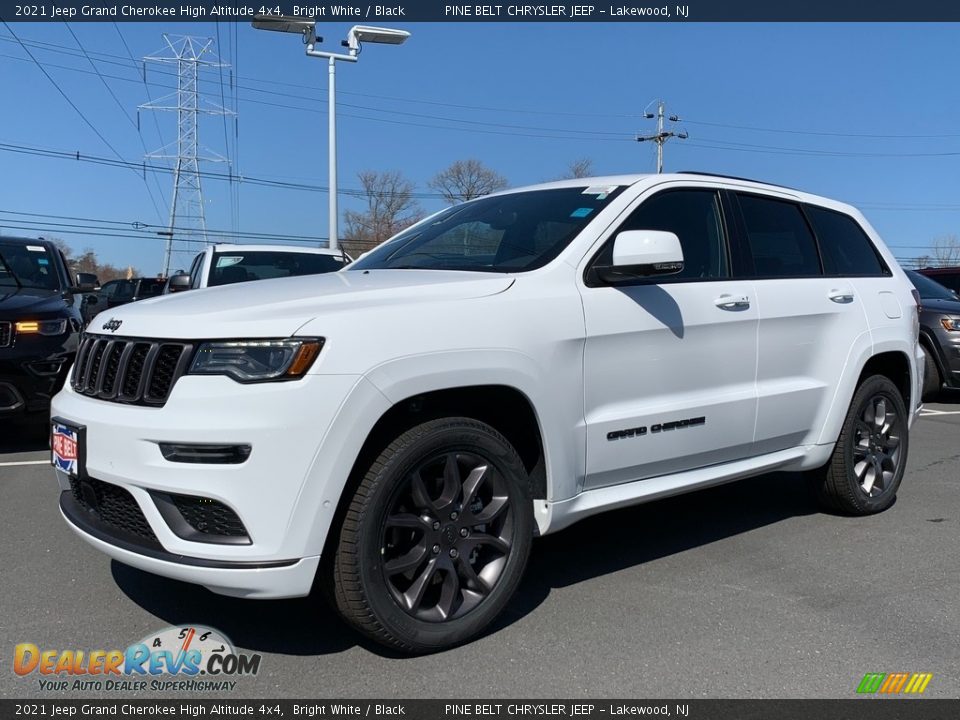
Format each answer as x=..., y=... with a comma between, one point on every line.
x=189, y=55
x=661, y=136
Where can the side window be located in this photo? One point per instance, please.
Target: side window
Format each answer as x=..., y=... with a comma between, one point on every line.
x=780, y=240
x=196, y=271
x=108, y=289
x=845, y=247
x=693, y=216
x=123, y=290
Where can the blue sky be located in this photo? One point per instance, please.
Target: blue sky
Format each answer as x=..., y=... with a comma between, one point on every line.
x=864, y=113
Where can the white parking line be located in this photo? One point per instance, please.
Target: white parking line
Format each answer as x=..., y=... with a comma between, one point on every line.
x=926, y=411
x=25, y=462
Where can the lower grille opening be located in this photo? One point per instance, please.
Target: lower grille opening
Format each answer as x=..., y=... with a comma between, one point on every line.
x=201, y=519
x=115, y=509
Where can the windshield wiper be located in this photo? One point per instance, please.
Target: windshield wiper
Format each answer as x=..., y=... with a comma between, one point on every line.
x=10, y=271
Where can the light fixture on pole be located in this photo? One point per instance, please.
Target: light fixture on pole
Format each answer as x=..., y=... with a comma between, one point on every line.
x=358, y=35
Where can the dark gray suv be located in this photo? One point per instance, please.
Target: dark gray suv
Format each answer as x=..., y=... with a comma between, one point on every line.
x=939, y=333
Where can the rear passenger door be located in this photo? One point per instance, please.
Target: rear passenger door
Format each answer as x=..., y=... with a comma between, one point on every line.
x=808, y=321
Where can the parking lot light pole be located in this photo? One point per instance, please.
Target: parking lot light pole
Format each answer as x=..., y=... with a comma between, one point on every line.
x=358, y=34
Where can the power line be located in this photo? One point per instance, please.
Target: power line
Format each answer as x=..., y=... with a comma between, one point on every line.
x=126, y=114
x=123, y=225
x=508, y=130
x=77, y=156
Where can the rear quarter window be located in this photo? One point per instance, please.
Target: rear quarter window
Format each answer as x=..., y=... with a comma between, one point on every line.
x=844, y=246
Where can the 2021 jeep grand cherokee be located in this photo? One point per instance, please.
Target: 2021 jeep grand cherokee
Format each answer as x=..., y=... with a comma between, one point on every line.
x=498, y=371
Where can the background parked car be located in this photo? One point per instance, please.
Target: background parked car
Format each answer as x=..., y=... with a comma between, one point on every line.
x=949, y=277
x=120, y=292
x=228, y=264
x=939, y=333
x=40, y=322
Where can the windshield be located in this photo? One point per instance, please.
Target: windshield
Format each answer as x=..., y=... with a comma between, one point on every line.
x=27, y=265
x=930, y=289
x=505, y=233
x=241, y=266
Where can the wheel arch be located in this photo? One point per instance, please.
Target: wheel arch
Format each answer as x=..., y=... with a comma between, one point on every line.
x=504, y=407
x=888, y=360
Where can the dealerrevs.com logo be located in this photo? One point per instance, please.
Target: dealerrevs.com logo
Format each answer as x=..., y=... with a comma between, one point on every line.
x=190, y=658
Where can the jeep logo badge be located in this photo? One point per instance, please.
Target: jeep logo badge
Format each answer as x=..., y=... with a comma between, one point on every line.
x=112, y=325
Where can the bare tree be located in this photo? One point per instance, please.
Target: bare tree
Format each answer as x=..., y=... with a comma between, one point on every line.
x=87, y=262
x=946, y=250
x=580, y=168
x=390, y=208
x=466, y=180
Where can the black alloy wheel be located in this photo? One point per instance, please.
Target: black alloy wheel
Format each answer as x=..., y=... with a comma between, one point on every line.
x=870, y=456
x=436, y=536
x=447, y=536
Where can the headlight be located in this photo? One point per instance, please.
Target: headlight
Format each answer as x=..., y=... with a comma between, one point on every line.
x=42, y=327
x=951, y=324
x=257, y=360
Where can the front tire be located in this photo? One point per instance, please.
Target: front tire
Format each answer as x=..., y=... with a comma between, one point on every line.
x=436, y=537
x=868, y=461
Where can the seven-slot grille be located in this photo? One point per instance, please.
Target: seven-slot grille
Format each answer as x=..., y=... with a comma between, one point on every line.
x=129, y=370
x=5, y=334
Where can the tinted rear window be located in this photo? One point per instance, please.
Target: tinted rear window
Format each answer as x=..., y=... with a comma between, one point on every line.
x=149, y=288
x=845, y=247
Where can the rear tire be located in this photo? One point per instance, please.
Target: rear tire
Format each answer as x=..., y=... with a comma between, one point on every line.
x=868, y=461
x=436, y=537
x=932, y=382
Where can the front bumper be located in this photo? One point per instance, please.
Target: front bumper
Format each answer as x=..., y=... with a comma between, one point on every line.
x=284, y=493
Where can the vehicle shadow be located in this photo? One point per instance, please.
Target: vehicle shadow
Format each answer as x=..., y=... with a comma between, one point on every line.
x=592, y=548
x=24, y=434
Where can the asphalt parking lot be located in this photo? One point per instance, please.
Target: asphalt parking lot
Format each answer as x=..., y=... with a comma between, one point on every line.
x=741, y=591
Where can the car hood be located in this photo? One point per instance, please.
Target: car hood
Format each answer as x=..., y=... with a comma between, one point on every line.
x=943, y=306
x=277, y=308
x=20, y=302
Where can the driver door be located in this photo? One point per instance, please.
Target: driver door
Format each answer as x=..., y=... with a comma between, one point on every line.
x=670, y=362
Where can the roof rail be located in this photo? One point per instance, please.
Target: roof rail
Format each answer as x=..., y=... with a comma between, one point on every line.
x=733, y=177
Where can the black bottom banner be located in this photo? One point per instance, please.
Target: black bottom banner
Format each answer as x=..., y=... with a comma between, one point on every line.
x=854, y=709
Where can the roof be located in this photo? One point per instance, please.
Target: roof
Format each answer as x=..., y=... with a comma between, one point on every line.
x=32, y=241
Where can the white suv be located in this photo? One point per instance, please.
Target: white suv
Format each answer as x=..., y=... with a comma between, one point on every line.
x=401, y=430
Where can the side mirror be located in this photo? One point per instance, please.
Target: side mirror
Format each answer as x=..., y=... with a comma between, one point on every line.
x=179, y=283
x=87, y=282
x=643, y=253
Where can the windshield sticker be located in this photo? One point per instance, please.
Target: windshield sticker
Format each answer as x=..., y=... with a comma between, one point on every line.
x=36, y=248
x=42, y=261
x=581, y=212
x=600, y=190
x=228, y=260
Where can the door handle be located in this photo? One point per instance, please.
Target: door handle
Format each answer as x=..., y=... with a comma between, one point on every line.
x=732, y=302
x=842, y=296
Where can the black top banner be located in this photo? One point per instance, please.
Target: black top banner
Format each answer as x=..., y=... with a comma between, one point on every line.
x=398, y=11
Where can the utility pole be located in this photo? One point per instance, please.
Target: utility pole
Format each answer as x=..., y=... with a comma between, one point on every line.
x=187, y=217
x=661, y=136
